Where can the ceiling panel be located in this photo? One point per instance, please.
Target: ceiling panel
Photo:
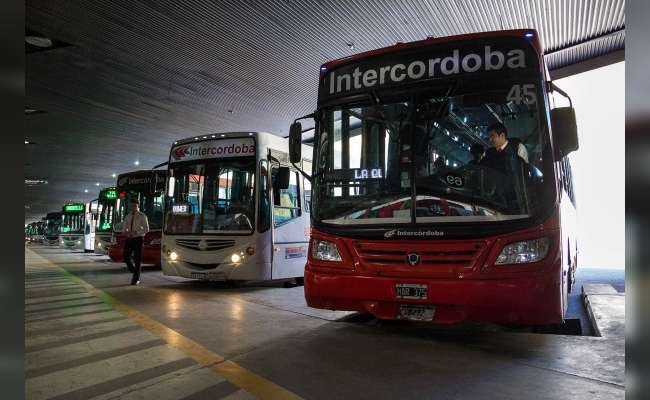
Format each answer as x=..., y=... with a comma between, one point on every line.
x=126, y=78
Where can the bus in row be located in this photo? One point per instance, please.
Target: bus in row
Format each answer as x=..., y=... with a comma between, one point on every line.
x=404, y=225
x=236, y=209
x=145, y=185
x=35, y=232
x=106, y=202
x=78, y=226
x=52, y=229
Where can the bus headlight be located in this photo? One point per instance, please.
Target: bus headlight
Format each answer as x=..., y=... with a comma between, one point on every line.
x=241, y=256
x=527, y=251
x=172, y=255
x=323, y=250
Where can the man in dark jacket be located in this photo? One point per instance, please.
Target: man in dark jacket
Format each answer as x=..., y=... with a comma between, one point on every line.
x=498, y=136
x=502, y=150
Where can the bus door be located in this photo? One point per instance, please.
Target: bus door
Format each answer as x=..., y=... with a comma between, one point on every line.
x=290, y=222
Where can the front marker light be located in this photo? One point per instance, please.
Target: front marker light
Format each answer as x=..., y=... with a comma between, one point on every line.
x=323, y=250
x=527, y=251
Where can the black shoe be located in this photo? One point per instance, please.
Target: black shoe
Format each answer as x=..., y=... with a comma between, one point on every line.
x=135, y=283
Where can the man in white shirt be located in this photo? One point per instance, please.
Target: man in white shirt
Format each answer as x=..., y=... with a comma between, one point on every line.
x=135, y=226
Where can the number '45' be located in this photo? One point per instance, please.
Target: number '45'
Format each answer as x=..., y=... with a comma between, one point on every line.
x=522, y=94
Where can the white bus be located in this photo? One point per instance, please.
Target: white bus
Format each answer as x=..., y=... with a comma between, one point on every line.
x=237, y=209
x=104, y=223
x=78, y=227
x=53, y=222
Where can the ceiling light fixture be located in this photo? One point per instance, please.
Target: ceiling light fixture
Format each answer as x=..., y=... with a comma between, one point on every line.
x=38, y=41
x=32, y=111
x=36, y=182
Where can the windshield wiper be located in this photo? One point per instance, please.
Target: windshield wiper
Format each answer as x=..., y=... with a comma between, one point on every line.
x=379, y=108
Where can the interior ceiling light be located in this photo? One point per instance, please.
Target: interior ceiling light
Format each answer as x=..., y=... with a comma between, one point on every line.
x=38, y=41
x=36, y=182
x=32, y=111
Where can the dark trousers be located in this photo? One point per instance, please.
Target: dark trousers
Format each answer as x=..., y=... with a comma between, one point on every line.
x=133, y=246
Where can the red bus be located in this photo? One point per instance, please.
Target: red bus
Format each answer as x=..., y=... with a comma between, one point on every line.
x=404, y=224
x=142, y=184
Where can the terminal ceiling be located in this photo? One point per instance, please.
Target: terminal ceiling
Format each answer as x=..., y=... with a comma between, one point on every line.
x=123, y=79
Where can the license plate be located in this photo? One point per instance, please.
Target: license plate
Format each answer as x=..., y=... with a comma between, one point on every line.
x=411, y=291
x=198, y=275
x=416, y=312
x=209, y=276
x=216, y=276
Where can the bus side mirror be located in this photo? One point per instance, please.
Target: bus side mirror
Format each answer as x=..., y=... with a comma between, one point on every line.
x=281, y=180
x=295, y=142
x=565, y=131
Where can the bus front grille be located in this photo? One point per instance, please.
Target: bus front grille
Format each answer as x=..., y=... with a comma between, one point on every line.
x=397, y=256
x=209, y=244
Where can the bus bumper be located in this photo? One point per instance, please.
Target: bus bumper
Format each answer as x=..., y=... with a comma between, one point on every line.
x=518, y=300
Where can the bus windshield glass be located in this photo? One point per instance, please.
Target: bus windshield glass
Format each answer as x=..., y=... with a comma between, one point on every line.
x=215, y=196
x=53, y=224
x=74, y=219
x=405, y=156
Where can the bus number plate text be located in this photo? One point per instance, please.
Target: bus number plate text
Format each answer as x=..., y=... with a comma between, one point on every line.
x=209, y=276
x=416, y=312
x=411, y=291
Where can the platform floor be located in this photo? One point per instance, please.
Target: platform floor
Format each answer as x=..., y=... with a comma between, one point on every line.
x=90, y=335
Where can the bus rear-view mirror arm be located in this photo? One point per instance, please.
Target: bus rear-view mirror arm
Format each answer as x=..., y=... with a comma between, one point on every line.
x=295, y=144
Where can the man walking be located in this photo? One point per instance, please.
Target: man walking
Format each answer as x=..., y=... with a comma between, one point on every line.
x=135, y=226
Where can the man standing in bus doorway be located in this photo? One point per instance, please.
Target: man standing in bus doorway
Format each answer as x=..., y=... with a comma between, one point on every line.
x=135, y=226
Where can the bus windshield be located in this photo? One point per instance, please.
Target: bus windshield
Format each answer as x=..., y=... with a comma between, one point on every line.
x=105, y=209
x=74, y=219
x=216, y=196
x=405, y=156
x=53, y=224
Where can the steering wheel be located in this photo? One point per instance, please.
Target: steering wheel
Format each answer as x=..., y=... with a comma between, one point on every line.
x=242, y=217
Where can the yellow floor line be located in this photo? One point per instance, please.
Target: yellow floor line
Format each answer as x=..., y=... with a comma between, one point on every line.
x=239, y=376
